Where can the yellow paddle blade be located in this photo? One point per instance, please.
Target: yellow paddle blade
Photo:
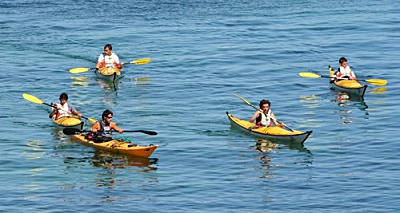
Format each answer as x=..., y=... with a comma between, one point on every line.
x=141, y=61
x=92, y=120
x=378, y=82
x=309, y=75
x=32, y=98
x=79, y=70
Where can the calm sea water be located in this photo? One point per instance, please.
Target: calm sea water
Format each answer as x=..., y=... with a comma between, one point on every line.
x=202, y=52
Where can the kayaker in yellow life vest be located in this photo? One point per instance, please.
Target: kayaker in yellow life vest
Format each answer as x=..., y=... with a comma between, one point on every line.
x=63, y=109
x=344, y=71
x=264, y=115
x=109, y=59
x=105, y=126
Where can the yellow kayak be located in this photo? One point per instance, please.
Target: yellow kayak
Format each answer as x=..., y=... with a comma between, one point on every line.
x=116, y=146
x=72, y=122
x=351, y=87
x=270, y=132
x=109, y=74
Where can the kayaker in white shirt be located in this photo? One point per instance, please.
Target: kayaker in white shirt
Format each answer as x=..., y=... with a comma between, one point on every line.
x=109, y=59
x=344, y=71
x=63, y=109
x=264, y=115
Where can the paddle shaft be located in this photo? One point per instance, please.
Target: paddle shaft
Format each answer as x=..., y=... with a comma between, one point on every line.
x=136, y=62
x=93, y=68
x=327, y=76
x=36, y=100
x=141, y=62
x=73, y=131
x=250, y=104
x=378, y=82
x=64, y=110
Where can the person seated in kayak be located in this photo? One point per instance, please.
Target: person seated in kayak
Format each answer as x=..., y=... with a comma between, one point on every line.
x=105, y=126
x=344, y=71
x=63, y=109
x=264, y=115
x=109, y=59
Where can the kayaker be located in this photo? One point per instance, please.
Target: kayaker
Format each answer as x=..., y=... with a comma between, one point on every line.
x=264, y=115
x=105, y=126
x=109, y=59
x=63, y=109
x=344, y=71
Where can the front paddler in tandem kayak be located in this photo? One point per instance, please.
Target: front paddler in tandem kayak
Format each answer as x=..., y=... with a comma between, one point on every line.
x=64, y=114
x=100, y=137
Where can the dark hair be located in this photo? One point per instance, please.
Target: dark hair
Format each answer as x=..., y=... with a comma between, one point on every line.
x=106, y=113
x=263, y=101
x=108, y=46
x=342, y=59
x=64, y=96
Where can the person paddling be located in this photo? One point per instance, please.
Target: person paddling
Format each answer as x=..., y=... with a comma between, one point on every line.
x=105, y=126
x=109, y=59
x=264, y=115
x=344, y=71
x=63, y=109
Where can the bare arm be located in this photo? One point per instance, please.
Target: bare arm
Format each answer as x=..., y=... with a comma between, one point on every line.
x=77, y=113
x=273, y=118
x=98, y=65
x=115, y=127
x=256, y=114
x=95, y=127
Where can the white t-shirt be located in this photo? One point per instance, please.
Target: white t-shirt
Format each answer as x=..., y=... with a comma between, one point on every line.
x=346, y=71
x=266, y=120
x=108, y=61
x=64, y=109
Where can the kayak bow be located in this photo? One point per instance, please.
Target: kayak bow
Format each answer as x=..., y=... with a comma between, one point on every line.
x=109, y=74
x=70, y=122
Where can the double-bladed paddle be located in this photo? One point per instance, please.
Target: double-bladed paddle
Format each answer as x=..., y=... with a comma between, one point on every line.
x=73, y=131
x=36, y=100
x=248, y=103
x=135, y=62
x=377, y=82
